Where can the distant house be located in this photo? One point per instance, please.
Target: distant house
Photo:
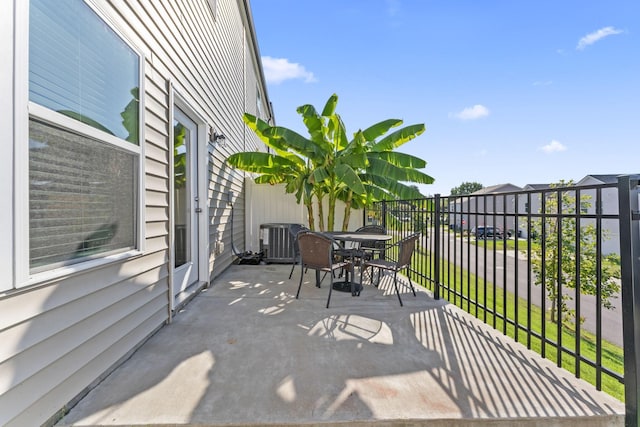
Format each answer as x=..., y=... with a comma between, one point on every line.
x=531, y=203
x=599, y=179
x=536, y=187
x=477, y=208
x=587, y=200
x=117, y=118
x=608, y=205
x=518, y=205
x=496, y=189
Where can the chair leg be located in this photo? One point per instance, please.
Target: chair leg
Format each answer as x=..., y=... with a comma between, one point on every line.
x=395, y=284
x=300, y=284
x=292, y=268
x=330, y=289
x=355, y=287
x=364, y=269
x=374, y=281
x=411, y=284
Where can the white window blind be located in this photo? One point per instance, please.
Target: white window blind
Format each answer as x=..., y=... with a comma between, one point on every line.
x=80, y=67
x=82, y=197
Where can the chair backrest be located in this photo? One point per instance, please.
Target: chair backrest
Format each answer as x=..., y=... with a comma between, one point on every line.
x=372, y=229
x=406, y=248
x=316, y=250
x=294, y=230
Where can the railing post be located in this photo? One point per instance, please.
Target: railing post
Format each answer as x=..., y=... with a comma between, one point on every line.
x=364, y=215
x=384, y=214
x=436, y=249
x=630, y=269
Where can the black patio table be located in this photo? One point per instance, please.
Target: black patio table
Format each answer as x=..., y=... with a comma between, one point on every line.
x=352, y=236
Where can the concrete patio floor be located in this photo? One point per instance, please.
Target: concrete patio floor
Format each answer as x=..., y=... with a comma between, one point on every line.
x=246, y=352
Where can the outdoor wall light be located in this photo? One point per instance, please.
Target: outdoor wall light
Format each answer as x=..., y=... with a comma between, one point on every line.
x=217, y=138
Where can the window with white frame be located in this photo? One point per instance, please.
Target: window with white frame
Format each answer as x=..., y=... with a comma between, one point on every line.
x=84, y=136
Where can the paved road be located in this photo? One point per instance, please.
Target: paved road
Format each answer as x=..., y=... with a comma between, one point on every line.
x=465, y=256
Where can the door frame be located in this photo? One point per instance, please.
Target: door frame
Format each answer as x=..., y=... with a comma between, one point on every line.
x=176, y=100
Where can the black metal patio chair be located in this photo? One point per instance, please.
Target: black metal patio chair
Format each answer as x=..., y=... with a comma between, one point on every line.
x=294, y=230
x=316, y=253
x=370, y=248
x=406, y=248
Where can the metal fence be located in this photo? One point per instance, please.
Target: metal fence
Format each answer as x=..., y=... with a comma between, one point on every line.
x=546, y=266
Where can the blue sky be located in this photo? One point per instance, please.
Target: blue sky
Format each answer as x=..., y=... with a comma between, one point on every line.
x=511, y=91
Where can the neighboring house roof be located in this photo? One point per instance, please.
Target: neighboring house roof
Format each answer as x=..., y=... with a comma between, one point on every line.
x=500, y=188
x=536, y=187
x=602, y=179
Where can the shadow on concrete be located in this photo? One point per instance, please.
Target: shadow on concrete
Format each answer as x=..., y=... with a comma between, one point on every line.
x=247, y=352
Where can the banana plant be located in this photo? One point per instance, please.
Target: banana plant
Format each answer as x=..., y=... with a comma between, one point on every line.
x=359, y=171
x=336, y=163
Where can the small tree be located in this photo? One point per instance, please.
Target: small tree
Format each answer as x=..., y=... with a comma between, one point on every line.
x=466, y=188
x=567, y=243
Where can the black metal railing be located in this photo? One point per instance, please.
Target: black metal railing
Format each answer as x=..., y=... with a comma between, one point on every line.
x=546, y=266
x=629, y=192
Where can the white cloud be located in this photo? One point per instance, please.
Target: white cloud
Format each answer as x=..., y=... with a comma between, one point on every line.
x=591, y=38
x=277, y=70
x=553, y=147
x=471, y=113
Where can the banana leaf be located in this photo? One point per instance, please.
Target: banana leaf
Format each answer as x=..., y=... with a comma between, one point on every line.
x=379, y=129
x=347, y=176
x=399, y=190
x=296, y=142
x=385, y=169
x=330, y=107
x=313, y=122
x=402, y=160
x=257, y=158
x=398, y=138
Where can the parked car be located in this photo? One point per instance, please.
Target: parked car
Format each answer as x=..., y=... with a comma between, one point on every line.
x=483, y=232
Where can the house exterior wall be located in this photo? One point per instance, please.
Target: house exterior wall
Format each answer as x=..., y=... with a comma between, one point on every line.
x=608, y=206
x=476, y=210
x=61, y=335
x=607, y=201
